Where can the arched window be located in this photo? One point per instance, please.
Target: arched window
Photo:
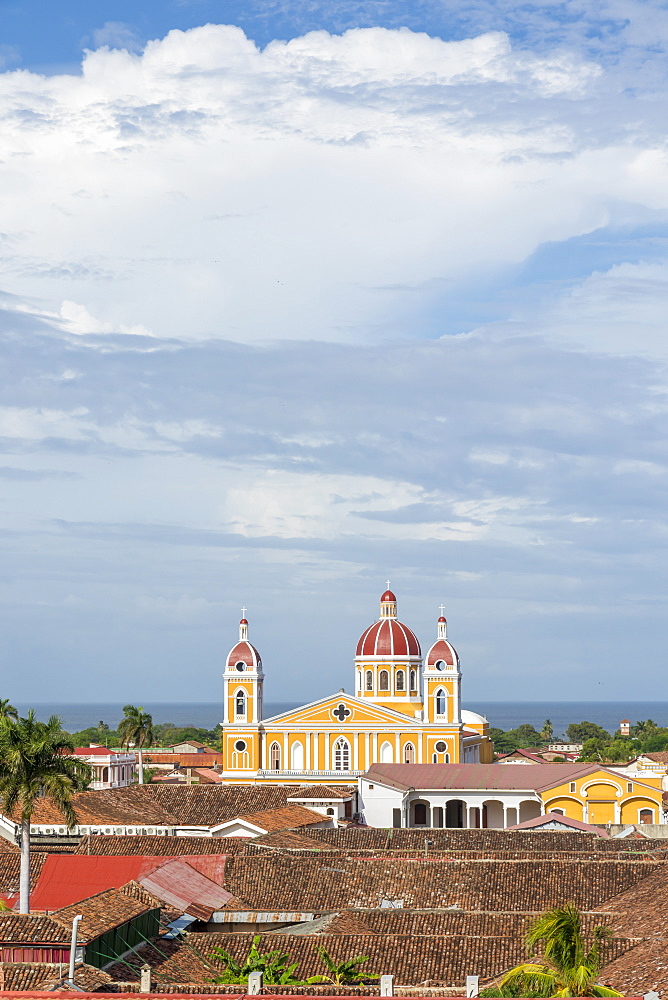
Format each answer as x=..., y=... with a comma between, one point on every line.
x=401, y=680
x=384, y=681
x=369, y=680
x=441, y=702
x=342, y=755
x=105, y=774
x=330, y=811
x=386, y=753
x=409, y=754
x=413, y=678
x=240, y=704
x=359, y=680
x=297, y=757
x=646, y=816
x=275, y=757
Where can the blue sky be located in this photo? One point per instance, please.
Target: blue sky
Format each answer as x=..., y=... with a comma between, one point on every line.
x=298, y=296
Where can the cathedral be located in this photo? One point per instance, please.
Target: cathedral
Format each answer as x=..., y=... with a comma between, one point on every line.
x=406, y=709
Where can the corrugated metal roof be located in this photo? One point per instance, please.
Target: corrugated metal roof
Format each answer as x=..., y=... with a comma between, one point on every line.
x=67, y=878
x=178, y=883
x=530, y=777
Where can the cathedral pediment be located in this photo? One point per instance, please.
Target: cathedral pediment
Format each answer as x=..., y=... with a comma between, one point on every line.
x=342, y=710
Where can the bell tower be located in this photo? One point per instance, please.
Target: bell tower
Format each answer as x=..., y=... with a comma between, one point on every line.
x=243, y=680
x=442, y=679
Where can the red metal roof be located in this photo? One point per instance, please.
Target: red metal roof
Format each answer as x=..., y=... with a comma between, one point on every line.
x=178, y=883
x=93, y=751
x=477, y=776
x=388, y=637
x=68, y=878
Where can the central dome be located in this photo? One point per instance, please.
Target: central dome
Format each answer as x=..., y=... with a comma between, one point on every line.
x=388, y=636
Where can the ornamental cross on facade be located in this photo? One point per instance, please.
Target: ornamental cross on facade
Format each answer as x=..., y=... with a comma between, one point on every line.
x=341, y=712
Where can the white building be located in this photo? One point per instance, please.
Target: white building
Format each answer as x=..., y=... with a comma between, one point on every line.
x=450, y=795
x=111, y=769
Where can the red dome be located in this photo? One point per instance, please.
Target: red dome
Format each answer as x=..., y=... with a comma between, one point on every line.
x=244, y=652
x=388, y=596
x=442, y=650
x=442, y=619
x=244, y=621
x=388, y=637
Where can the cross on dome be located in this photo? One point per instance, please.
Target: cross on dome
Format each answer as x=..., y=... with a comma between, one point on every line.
x=442, y=609
x=243, y=612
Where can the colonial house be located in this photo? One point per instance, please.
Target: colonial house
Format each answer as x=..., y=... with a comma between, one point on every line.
x=405, y=708
x=480, y=795
x=110, y=768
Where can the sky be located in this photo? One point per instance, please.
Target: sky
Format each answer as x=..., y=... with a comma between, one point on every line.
x=298, y=297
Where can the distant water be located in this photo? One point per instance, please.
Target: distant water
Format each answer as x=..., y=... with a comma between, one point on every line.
x=502, y=714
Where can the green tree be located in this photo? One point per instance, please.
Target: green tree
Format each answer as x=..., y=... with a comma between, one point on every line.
x=528, y=734
x=272, y=964
x=136, y=728
x=655, y=743
x=346, y=972
x=580, y=732
x=645, y=728
x=7, y=710
x=547, y=732
x=568, y=969
x=34, y=764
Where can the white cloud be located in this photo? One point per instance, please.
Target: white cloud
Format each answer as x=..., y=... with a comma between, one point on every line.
x=330, y=187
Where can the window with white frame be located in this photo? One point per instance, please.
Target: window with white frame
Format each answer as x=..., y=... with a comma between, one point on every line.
x=342, y=755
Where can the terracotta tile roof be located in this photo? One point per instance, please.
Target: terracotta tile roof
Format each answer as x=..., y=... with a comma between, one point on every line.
x=47, y=976
x=184, y=759
x=293, y=882
x=660, y=757
x=412, y=960
x=162, y=846
x=575, y=824
x=322, y=792
x=480, y=841
x=287, y=840
x=167, y=805
x=18, y=928
x=331, y=923
x=528, y=754
x=535, y=777
x=287, y=818
x=10, y=865
x=103, y=912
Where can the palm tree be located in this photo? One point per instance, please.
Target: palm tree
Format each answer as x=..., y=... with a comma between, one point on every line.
x=346, y=972
x=34, y=764
x=7, y=710
x=136, y=728
x=568, y=969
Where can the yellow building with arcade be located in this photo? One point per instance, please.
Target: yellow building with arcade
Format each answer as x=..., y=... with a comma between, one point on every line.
x=406, y=709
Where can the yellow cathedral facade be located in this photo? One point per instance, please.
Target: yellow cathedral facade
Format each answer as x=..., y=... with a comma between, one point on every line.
x=406, y=709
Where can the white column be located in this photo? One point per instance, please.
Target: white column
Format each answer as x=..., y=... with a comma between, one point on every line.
x=367, y=746
x=505, y=815
x=420, y=741
x=354, y=737
x=327, y=763
x=308, y=751
x=286, y=759
x=397, y=749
